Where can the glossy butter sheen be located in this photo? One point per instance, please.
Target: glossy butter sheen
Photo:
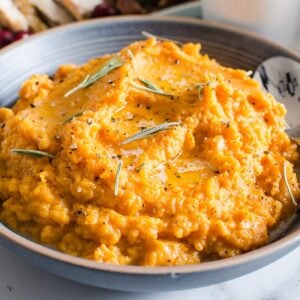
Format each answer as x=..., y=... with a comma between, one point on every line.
x=211, y=187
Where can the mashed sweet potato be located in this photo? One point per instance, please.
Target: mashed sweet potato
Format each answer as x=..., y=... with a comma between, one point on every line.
x=209, y=186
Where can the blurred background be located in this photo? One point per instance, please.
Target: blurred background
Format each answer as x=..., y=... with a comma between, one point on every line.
x=275, y=19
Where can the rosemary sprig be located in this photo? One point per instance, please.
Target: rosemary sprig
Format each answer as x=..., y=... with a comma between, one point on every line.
x=200, y=87
x=133, y=60
x=70, y=118
x=138, y=169
x=148, y=131
x=287, y=184
x=150, y=87
x=150, y=35
x=35, y=153
x=296, y=140
x=109, y=66
x=116, y=186
x=210, y=166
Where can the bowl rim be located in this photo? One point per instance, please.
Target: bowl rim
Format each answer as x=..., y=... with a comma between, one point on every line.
x=288, y=241
x=135, y=18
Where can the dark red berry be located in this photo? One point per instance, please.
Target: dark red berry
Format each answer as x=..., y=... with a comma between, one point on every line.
x=103, y=10
x=6, y=37
x=21, y=35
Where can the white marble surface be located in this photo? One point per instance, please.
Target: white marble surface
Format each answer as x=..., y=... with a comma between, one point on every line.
x=21, y=281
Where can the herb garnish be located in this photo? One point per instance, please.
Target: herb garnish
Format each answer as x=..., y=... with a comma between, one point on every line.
x=148, y=131
x=72, y=117
x=133, y=60
x=116, y=186
x=150, y=35
x=149, y=87
x=211, y=167
x=249, y=73
x=29, y=152
x=168, y=161
x=109, y=66
x=287, y=184
x=200, y=87
x=296, y=140
x=138, y=169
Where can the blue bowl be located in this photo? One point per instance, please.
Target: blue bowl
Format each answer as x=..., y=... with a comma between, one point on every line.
x=43, y=53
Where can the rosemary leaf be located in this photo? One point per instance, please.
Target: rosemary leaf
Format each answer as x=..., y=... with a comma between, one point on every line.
x=138, y=169
x=296, y=140
x=150, y=35
x=81, y=85
x=72, y=117
x=210, y=166
x=177, y=156
x=116, y=186
x=149, y=131
x=200, y=87
x=35, y=153
x=150, y=87
x=287, y=184
x=109, y=66
x=133, y=60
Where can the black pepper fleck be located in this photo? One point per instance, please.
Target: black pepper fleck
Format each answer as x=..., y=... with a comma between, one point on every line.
x=89, y=121
x=80, y=212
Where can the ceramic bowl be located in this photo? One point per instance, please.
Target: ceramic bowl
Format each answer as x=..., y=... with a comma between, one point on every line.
x=79, y=42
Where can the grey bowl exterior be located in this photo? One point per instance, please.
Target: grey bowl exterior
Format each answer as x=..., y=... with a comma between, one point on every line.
x=147, y=279
x=79, y=42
